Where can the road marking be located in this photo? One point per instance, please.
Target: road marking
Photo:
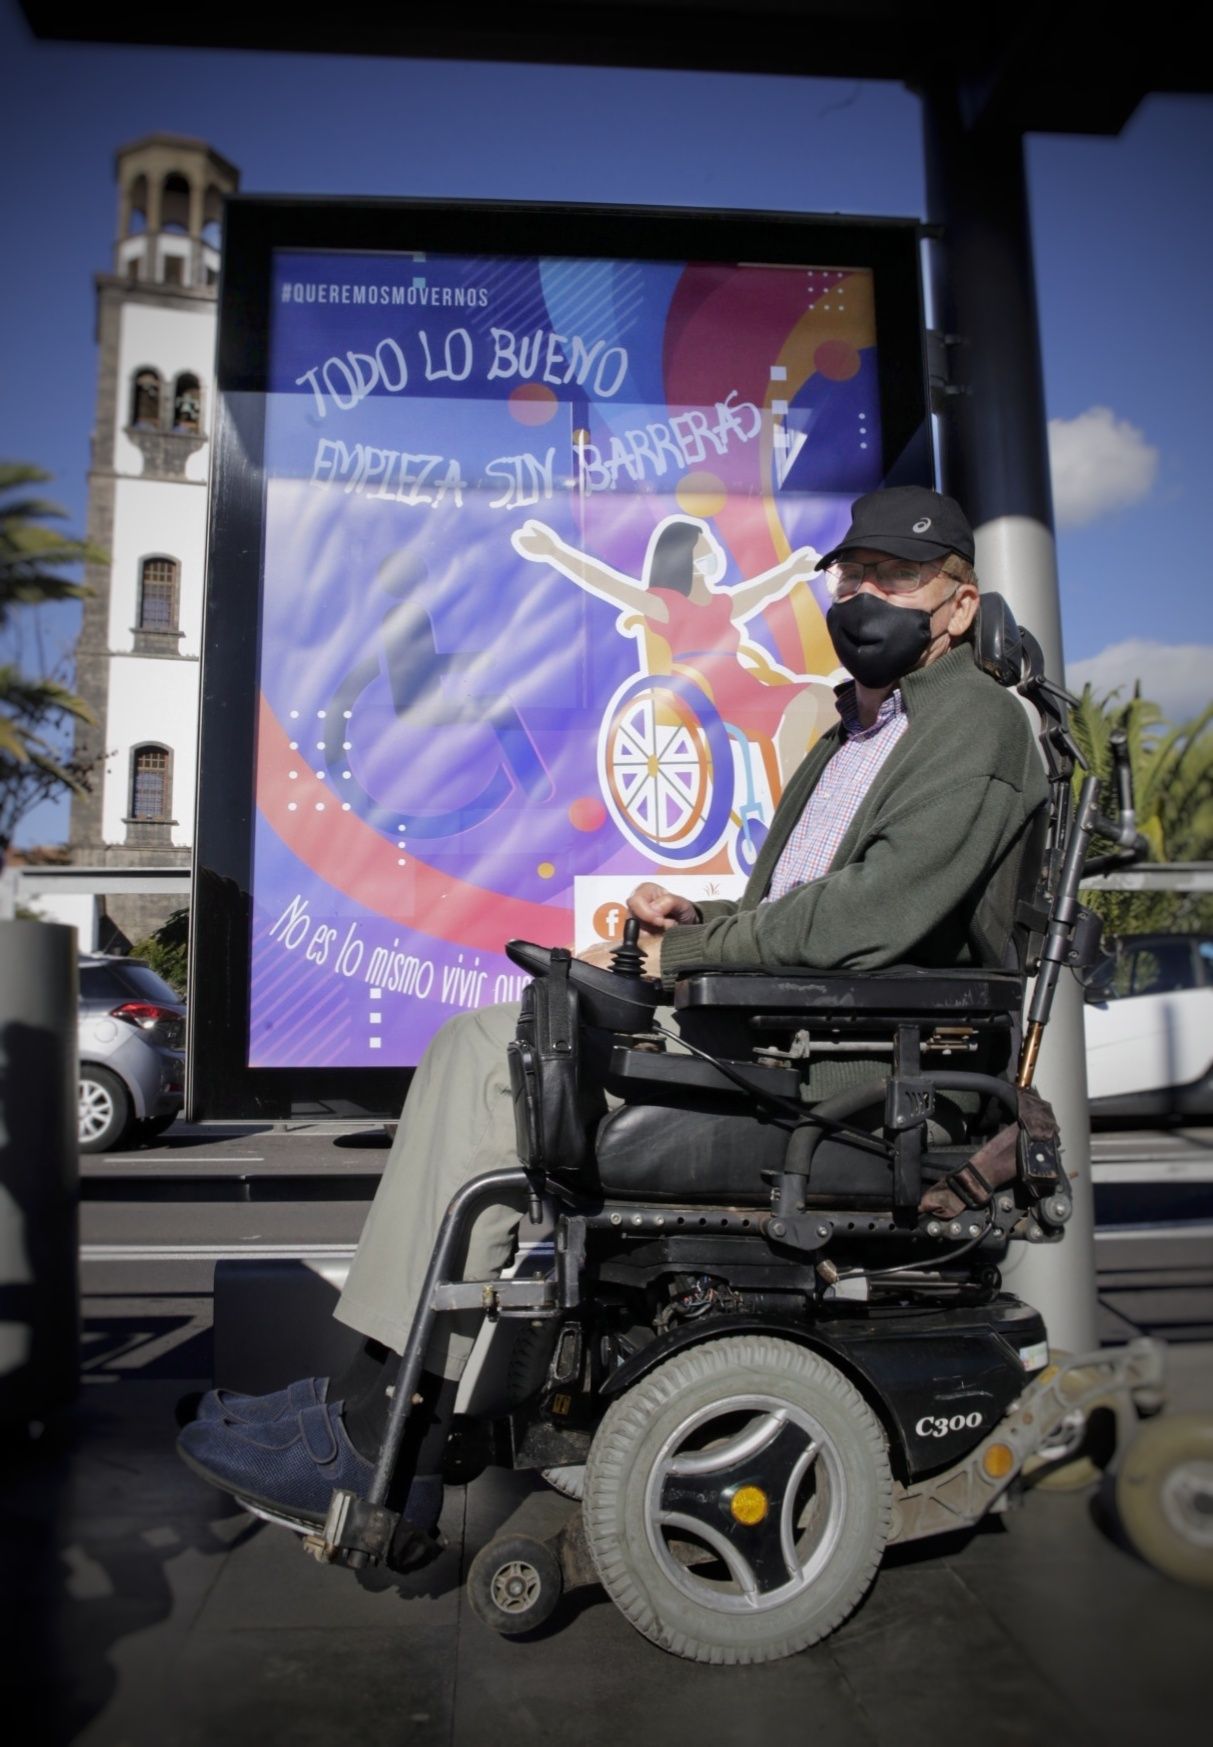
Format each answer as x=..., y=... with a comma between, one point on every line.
x=1155, y=1171
x=1171, y=1233
x=1146, y=1146
x=162, y=1159
x=214, y=1252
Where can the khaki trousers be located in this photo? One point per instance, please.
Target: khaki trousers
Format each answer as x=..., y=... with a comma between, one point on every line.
x=457, y=1123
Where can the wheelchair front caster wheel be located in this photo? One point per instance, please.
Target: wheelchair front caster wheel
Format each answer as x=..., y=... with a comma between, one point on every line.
x=514, y=1584
x=1164, y=1496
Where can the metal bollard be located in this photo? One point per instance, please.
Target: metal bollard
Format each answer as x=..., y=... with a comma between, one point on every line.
x=39, y=1172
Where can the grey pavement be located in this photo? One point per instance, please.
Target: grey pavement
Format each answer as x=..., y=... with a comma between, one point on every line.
x=140, y=1608
x=146, y=1609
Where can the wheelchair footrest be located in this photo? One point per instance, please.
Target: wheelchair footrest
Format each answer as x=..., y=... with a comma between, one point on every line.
x=355, y=1532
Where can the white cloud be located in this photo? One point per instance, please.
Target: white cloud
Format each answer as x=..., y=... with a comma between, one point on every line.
x=1099, y=463
x=1177, y=676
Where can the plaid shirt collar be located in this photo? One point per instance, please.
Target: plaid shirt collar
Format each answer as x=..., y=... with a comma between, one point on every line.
x=848, y=710
x=838, y=795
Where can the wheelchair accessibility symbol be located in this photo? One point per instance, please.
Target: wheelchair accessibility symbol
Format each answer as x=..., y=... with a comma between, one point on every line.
x=429, y=690
x=693, y=750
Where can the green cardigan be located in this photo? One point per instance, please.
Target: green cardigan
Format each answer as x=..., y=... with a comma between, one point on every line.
x=928, y=871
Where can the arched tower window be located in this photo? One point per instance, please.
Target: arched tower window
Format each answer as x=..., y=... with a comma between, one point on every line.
x=158, y=594
x=136, y=222
x=187, y=404
x=151, y=782
x=175, y=205
x=145, y=399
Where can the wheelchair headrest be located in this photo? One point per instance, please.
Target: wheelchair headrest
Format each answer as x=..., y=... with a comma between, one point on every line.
x=998, y=642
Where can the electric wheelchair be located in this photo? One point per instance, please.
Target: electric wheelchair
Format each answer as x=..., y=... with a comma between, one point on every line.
x=748, y=1355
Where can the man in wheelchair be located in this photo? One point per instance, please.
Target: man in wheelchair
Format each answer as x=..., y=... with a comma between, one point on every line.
x=774, y=1309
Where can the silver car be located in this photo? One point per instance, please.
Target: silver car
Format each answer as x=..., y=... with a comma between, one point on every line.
x=132, y=1064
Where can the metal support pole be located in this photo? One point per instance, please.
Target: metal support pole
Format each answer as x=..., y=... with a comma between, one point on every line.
x=994, y=461
x=39, y=1172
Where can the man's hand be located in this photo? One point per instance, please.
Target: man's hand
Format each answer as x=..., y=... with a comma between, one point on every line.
x=602, y=957
x=658, y=909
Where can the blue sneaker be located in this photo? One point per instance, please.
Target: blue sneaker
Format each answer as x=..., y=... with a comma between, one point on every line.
x=291, y=1465
x=251, y=1410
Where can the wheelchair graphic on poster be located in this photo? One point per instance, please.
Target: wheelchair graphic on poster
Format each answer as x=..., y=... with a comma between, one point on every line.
x=694, y=749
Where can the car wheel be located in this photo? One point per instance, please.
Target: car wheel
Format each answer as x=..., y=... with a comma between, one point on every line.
x=738, y=1500
x=105, y=1110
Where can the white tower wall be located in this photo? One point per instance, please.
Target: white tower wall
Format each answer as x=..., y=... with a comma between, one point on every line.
x=138, y=657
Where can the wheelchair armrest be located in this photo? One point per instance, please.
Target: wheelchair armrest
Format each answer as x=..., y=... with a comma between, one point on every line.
x=608, y=1000
x=894, y=995
x=651, y=1077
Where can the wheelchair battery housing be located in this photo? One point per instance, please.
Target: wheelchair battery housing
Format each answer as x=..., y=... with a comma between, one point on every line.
x=940, y=1379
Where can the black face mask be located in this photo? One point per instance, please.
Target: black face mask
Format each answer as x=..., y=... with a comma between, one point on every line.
x=875, y=641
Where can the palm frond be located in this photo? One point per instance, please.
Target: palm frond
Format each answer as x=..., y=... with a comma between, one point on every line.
x=33, y=699
x=14, y=473
x=12, y=741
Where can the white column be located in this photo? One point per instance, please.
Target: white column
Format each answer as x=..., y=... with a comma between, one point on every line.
x=994, y=460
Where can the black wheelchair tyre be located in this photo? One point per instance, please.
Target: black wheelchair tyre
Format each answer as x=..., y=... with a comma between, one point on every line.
x=514, y=1584
x=738, y=1500
x=105, y=1110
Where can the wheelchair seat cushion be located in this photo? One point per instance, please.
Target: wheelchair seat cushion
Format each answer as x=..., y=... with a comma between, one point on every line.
x=644, y=1153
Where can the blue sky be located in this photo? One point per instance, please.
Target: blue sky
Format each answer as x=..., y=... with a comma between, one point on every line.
x=1123, y=253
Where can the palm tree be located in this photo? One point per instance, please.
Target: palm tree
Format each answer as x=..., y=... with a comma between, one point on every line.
x=31, y=553
x=1172, y=771
x=35, y=709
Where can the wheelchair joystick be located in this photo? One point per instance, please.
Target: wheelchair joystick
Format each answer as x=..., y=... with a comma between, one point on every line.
x=627, y=959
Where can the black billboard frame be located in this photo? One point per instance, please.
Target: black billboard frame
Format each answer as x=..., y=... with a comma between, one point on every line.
x=220, y=1083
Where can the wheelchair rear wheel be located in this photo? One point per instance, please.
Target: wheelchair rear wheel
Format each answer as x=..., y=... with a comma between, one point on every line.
x=738, y=1500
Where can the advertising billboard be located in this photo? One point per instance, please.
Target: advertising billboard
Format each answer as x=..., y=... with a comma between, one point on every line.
x=511, y=594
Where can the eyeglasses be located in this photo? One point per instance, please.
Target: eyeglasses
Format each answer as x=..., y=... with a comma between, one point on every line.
x=891, y=575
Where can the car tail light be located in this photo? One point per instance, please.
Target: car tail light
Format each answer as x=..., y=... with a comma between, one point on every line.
x=142, y=1013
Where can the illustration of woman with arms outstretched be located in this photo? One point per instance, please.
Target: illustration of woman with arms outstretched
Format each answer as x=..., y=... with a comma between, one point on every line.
x=701, y=625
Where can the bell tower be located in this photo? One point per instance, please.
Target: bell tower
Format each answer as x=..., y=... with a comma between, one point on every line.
x=137, y=657
x=170, y=202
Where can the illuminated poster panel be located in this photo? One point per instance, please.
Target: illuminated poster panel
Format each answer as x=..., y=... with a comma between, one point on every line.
x=538, y=615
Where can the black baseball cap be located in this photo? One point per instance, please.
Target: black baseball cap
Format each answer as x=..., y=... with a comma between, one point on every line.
x=906, y=521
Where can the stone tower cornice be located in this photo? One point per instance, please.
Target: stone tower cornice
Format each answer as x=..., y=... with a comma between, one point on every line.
x=155, y=143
